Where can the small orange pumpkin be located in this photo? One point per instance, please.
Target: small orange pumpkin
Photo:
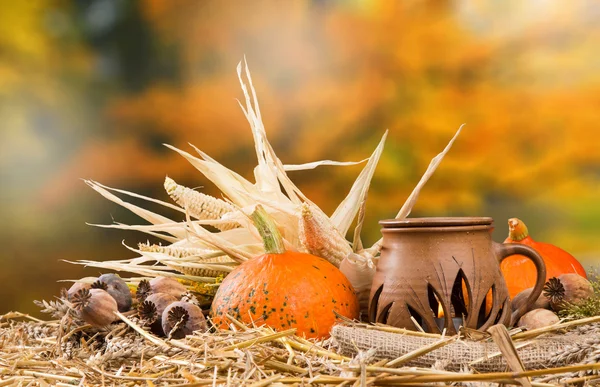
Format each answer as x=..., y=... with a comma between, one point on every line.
x=519, y=272
x=284, y=289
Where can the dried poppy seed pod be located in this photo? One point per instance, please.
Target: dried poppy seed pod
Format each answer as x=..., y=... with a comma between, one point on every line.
x=152, y=308
x=167, y=285
x=77, y=286
x=95, y=306
x=117, y=288
x=567, y=289
x=143, y=291
x=181, y=319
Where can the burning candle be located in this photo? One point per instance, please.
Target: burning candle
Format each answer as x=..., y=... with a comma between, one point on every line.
x=440, y=320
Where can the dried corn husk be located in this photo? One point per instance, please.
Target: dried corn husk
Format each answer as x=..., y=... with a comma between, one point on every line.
x=414, y=195
x=360, y=268
x=197, y=254
x=320, y=238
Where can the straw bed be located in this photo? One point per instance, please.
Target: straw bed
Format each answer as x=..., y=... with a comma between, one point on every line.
x=61, y=352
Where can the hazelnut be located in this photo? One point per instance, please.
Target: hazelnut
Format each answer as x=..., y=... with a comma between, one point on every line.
x=95, y=306
x=117, y=288
x=181, y=319
x=152, y=308
x=538, y=318
x=541, y=303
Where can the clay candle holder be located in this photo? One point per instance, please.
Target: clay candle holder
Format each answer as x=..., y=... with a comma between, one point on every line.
x=452, y=264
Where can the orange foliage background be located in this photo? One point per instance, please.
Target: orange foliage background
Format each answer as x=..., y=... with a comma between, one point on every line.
x=93, y=89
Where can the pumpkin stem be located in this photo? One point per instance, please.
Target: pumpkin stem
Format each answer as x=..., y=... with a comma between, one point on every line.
x=268, y=231
x=517, y=230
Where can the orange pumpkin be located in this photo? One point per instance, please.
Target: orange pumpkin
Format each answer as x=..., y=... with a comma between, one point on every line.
x=284, y=289
x=519, y=272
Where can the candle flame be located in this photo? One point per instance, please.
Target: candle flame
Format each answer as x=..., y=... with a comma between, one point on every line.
x=440, y=310
x=465, y=293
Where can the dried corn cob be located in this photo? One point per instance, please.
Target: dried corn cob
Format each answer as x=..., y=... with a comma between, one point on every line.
x=199, y=205
x=204, y=256
x=177, y=251
x=213, y=270
x=319, y=237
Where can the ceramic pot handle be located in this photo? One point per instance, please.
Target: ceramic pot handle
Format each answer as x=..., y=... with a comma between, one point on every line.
x=504, y=250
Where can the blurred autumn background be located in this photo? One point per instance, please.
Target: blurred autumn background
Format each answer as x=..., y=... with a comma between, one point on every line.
x=92, y=89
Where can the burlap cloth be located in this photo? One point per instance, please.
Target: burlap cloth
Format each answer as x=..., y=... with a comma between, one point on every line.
x=555, y=350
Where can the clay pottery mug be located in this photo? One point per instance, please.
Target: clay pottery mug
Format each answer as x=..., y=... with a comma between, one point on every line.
x=445, y=272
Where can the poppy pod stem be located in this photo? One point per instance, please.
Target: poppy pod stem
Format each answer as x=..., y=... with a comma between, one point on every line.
x=517, y=230
x=268, y=231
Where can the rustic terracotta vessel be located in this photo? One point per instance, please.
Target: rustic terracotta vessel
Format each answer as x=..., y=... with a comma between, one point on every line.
x=445, y=272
